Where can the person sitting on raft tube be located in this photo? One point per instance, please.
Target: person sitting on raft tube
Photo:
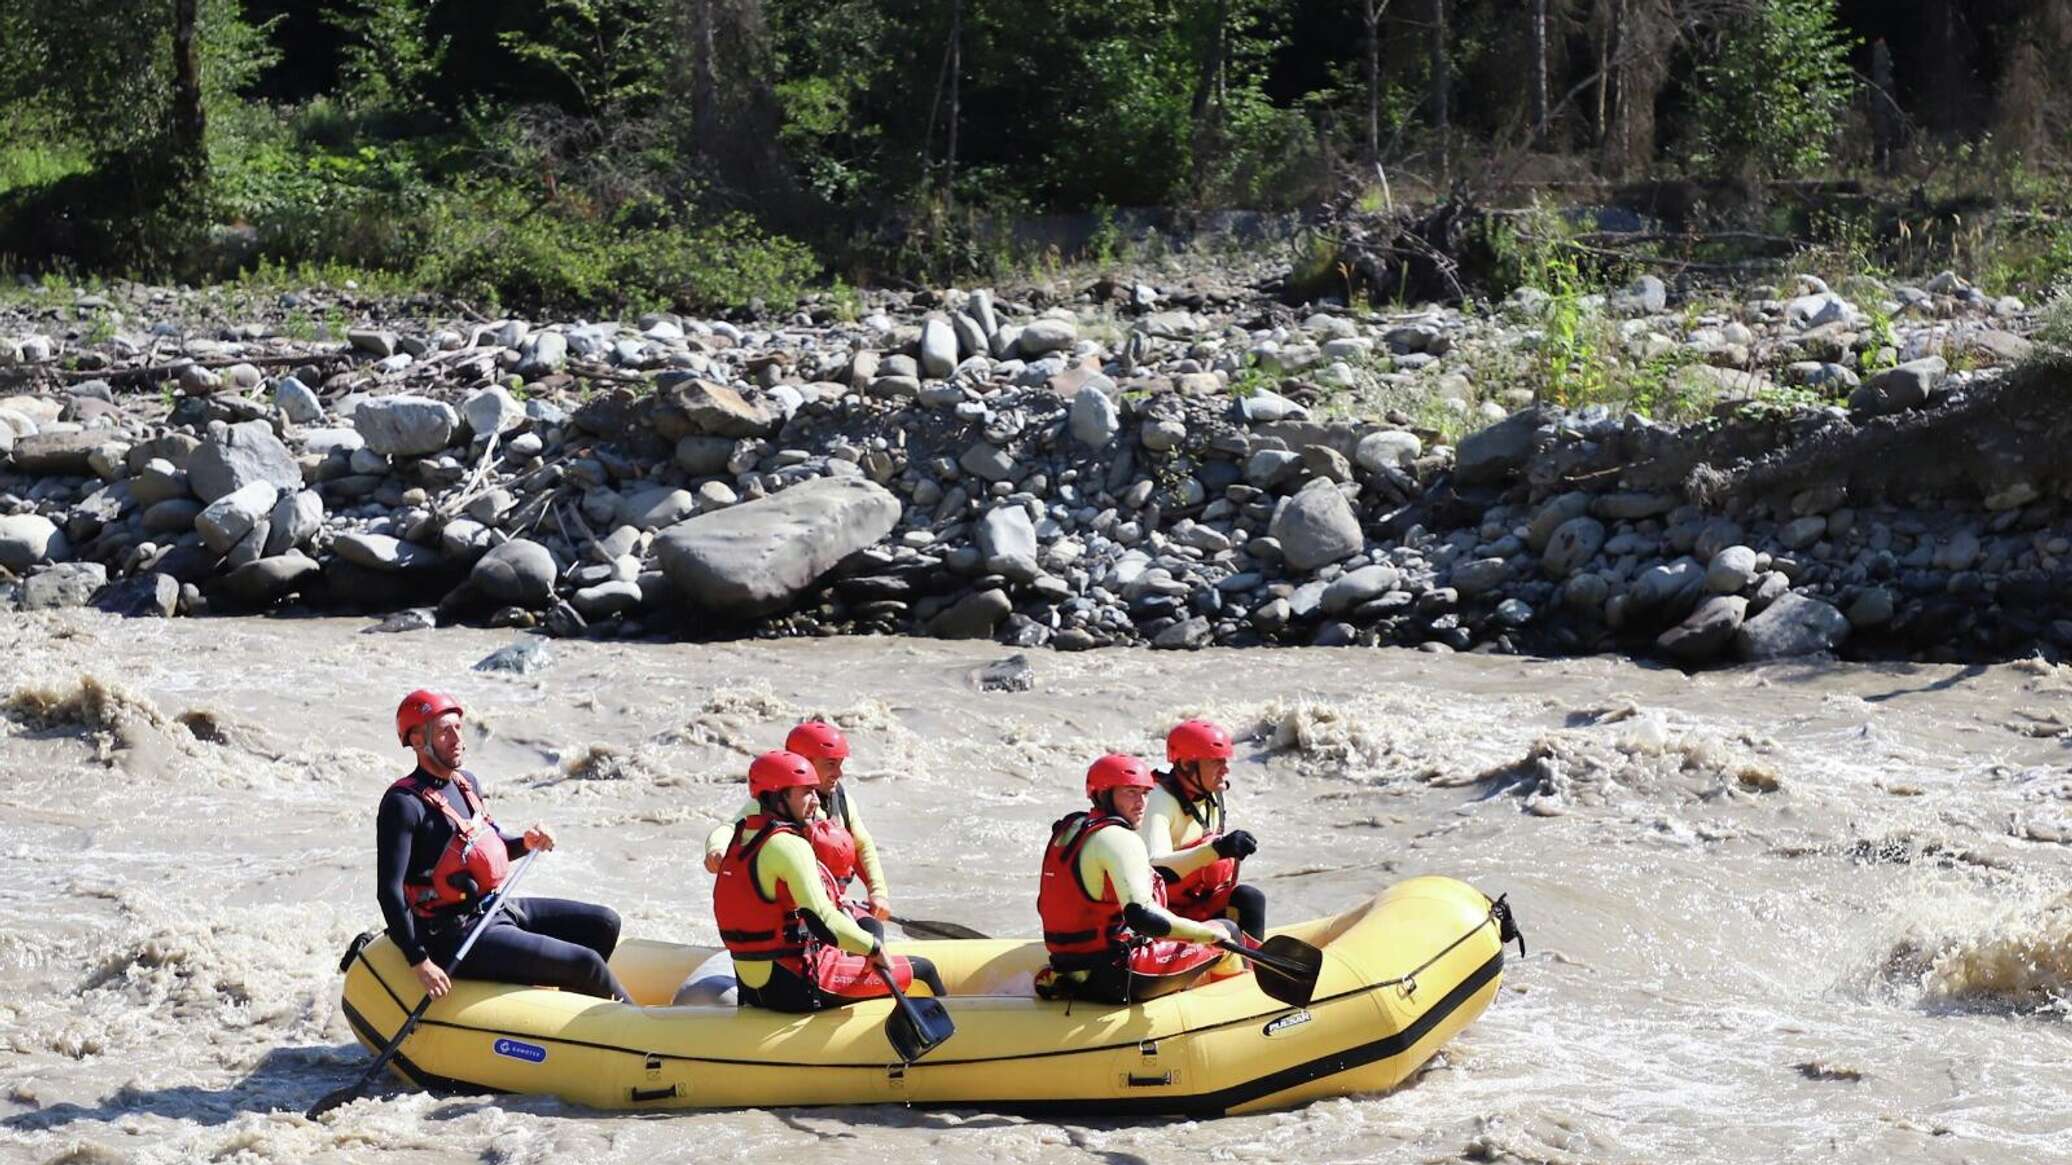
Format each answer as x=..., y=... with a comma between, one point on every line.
x=838, y=834
x=1105, y=922
x=438, y=854
x=794, y=947
x=1188, y=837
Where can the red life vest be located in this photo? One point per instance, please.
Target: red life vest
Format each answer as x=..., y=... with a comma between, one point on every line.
x=1204, y=893
x=832, y=842
x=1075, y=922
x=753, y=926
x=476, y=849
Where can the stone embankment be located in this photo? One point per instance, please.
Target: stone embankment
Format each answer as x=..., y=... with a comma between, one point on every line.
x=1180, y=466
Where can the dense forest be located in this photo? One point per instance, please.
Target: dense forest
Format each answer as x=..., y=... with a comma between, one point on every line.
x=713, y=151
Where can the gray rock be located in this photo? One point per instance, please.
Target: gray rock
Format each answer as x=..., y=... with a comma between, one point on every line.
x=297, y=402
x=224, y=522
x=703, y=455
x=406, y=620
x=29, y=539
x=1007, y=538
x=1669, y=587
x=381, y=552
x=654, y=507
x=1629, y=506
x=1316, y=526
x=1706, y=632
x=1514, y=612
x=154, y=596
x=1873, y=607
x=523, y=658
x=756, y=557
x=1162, y=436
x=1387, y=449
x=519, y=573
x=546, y=352
x=1269, y=469
x=493, y=410
x=158, y=481
x=988, y=461
x=376, y=343
x=1646, y=296
x=938, y=348
x=57, y=454
x=1909, y=386
x=1793, y=625
x=171, y=516
x=64, y=584
x=972, y=617
x=1550, y=516
x=1094, y=419
x=1800, y=533
x=1041, y=336
x=1497, y=452
x=605, y=599
x=1479, y=576
x=268, y=580
x=232, y=457
x=1191, y=634
x=1354, y=587
x=686, y=404
x=1732, y=571
x=295, y=519
x=1571, y=547
x=1013, y=674
x=404, y=426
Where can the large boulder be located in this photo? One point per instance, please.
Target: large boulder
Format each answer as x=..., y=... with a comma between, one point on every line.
x=756, y=557
x=65, y=584
x=1706, y=632
x=232, y=457
x=265, y=581
x=1007, y=538
x=404, y=425
x=1094, y=419
x=494, y=409
x=296, y=518
x=1571, y=547
x=938, y=348
x=519, y=573
x=225, y=521
x=1315, y=527
x=1792, y=625
x=27, y=539
x=687, y=404
x=58, y=454
x=1497, y=452
x=972, y=617
x=1909, y=386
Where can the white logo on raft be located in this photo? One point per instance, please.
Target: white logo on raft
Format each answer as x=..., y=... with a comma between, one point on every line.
x=1294, y=1018
x=520, y=1050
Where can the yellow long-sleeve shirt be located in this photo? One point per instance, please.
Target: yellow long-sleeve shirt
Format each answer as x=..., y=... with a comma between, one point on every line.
x=786, y=861
x=868, y=863
x=1114, y=859
x=1173, y=838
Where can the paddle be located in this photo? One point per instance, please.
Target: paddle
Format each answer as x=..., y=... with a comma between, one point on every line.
x=496, y=906
x=915, y=1027
x=1286, y=967
x=921, y=927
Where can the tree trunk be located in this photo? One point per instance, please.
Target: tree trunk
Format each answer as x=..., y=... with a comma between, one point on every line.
x=189, y=131
x=704, y=78
x=1442, y=88
x=1372, y=68
x=1537, y=37
x=956, y=66
x=1604, y=68
x=1207, y=90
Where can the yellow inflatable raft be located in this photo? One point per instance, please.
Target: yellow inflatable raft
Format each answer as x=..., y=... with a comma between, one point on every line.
x=1402, y=973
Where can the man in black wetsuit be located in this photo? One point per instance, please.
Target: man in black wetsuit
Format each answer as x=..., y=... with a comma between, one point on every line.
x=437, y=853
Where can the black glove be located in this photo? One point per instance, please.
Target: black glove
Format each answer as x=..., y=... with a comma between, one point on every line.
x=1238, y=843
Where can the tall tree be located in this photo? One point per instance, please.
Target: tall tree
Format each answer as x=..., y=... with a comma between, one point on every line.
x=187, y=136
x=1442, y=87
x=1371, y=12
x=1536, y=39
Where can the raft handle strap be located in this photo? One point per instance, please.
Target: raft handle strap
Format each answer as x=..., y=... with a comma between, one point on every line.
x=1499, y=913
x=643, y=1095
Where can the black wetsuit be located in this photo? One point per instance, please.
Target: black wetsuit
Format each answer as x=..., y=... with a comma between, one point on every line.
x=546, y=941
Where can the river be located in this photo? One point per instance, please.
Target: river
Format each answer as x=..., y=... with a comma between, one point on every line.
x=1803, y=911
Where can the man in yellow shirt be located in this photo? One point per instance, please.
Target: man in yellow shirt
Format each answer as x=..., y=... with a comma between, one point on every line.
x=1188, y=835
x=794, y=948
x=1105, y=922
x=840, y=838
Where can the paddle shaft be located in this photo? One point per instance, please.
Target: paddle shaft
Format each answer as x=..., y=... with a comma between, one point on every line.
x=1284, y=966
x=496, y=907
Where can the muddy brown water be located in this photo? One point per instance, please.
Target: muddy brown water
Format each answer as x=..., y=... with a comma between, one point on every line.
x=1797, y=912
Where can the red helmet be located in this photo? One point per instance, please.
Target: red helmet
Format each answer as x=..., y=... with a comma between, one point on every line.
x=817, y=740
x=774, y=772
x=1117, y=771
x=420, y=708
x=1197, y=740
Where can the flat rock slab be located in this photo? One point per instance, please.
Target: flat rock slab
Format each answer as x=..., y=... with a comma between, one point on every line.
x=756, y=557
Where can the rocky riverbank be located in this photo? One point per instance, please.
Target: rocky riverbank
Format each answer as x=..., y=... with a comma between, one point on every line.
x=1176, y=462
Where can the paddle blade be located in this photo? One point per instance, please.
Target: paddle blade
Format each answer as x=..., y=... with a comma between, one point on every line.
x=918, y=1027
x=1287, y=969
x=335, y=1099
